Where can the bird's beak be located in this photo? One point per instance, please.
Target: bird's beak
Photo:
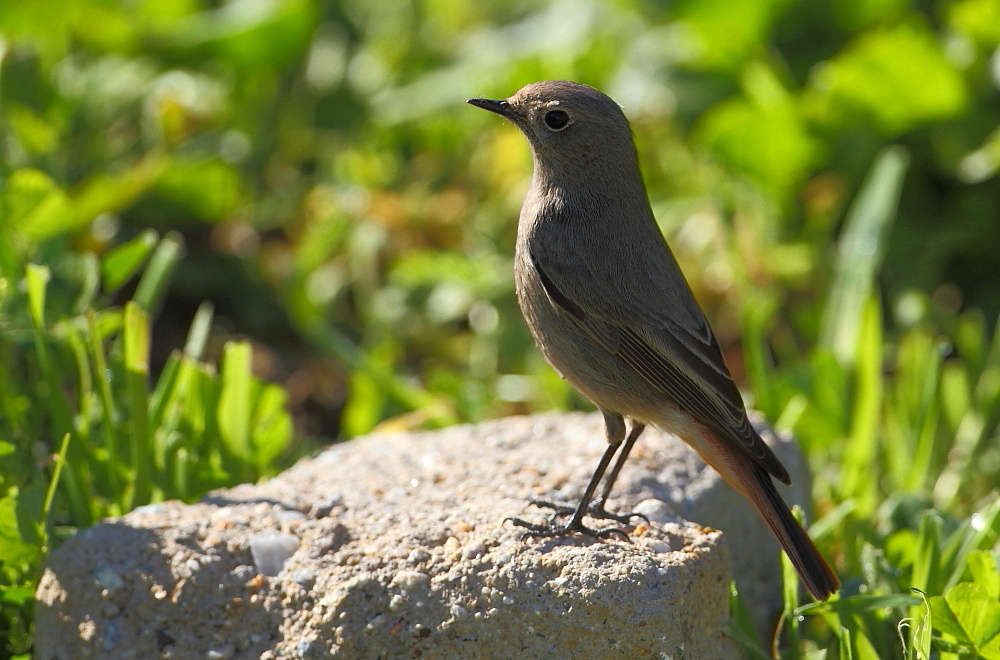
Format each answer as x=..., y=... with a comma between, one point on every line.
x=500, y=107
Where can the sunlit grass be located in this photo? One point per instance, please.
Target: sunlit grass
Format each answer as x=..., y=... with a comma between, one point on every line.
x=897, y=431
x=85, y=434
x=906, y=478
x=825, y=174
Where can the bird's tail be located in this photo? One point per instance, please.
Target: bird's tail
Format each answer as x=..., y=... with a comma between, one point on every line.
x=815, y=572
x=754, y=482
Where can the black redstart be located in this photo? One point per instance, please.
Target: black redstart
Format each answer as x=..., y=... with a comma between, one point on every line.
x=612, y=313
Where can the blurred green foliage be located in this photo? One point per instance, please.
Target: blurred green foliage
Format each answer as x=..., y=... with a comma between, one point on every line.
x=79, y=415
x=826, y=172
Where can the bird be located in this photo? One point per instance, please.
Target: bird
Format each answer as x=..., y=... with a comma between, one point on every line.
x=610, y=310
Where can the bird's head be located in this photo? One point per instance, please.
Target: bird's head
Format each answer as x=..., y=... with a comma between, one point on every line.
x=569, y=125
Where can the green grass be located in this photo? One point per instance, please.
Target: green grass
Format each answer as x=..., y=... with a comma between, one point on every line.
x=85, y=433
x=902, y=439
x=900, y=433
x=908, y=482
x=905, y=465
x=826, y=173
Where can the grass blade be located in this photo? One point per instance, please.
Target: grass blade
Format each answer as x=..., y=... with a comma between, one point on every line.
x=153, y=283
x=860, y=604
x=120, y=264
x=859, y=454
x=109, y=419
x=197, y=337
x=234, y=399
x=927, y=560
x=51, y=390
x=844, y=644
x=135, y=336
x=860, y=252
x=50, y=493
x=409, y=395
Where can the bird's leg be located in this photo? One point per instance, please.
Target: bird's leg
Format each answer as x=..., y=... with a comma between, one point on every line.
x=616, y=432
x=597, y=508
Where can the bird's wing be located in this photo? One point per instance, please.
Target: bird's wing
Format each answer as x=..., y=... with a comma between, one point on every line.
x=650, y=319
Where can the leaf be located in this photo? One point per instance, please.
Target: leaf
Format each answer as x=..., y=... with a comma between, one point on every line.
x=35, y=133
x=863, y=648
x=209, y=188
x=977, y=532
x=120, y=264
x=873, y=78
x=857, y=16
x=867, y=416
x=86, y=271
x=722, y=34
x=364, y=407
x=200, y=415
x=859, y=604
x=920, y=633
x=272, y=424
x=58, y=213
x=945, y=620
x=21, y=533
x=979, y=19
x=201, y=325
x=50, y=493
x=110, y=418
x=15, y=549
x=234, y=399
x=859, y=253
x=251, y=33
x=790, y=597
x=165, y=391
x=768, y=141
x=741, y=625
x=970, y=614
x=27, y=193
x=135, y=341
x=17, y=595
x=36, y=279
x=832, y=520
x=844, y=644
x=927, y=559
x=983, y=566
x=486, y=277
x=153, y=283
x=11, y=262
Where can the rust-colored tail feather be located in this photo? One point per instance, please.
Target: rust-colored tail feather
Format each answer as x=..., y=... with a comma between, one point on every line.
x=815, y=572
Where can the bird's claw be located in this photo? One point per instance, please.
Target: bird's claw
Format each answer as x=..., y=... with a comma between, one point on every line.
x=596, y=511
x=553, y=529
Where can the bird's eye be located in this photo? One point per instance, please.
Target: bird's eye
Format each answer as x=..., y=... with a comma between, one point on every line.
x=556, y=119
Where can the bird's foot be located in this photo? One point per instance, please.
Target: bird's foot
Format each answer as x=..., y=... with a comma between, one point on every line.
x=596, y=511
x=554, y=529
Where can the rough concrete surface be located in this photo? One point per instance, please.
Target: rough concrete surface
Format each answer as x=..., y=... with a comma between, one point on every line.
x=394, y=546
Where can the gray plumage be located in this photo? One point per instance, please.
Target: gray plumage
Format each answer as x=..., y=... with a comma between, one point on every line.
x=608, y=306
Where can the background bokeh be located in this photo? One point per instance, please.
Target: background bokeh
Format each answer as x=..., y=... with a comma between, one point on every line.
x=825, y=171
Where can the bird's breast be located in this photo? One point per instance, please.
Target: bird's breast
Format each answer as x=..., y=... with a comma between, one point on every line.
x=568, y=348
